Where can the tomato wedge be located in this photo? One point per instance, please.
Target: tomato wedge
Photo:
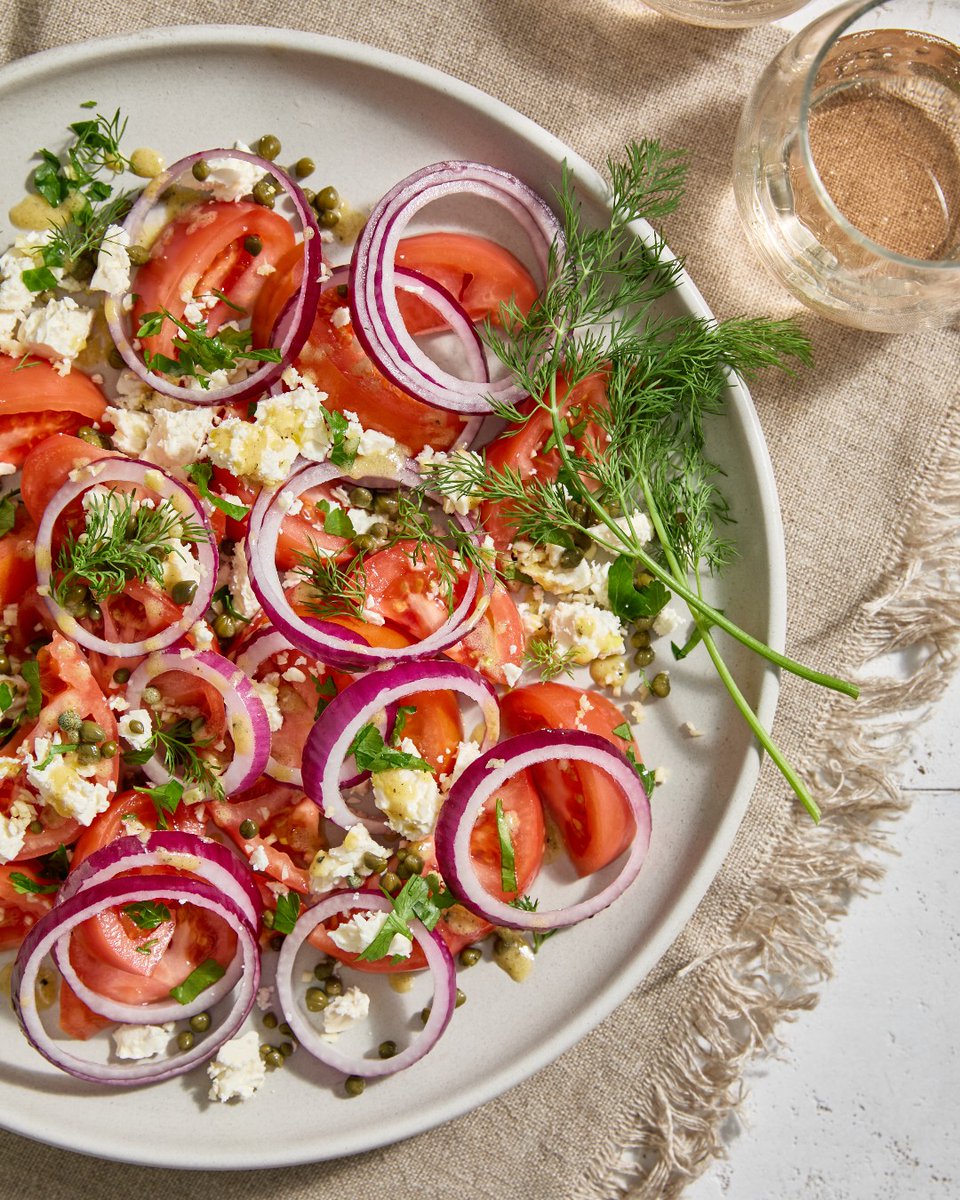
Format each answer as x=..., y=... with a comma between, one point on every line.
x=18, y=571
x=19, y=911
x=37, y=401
x=47, y=466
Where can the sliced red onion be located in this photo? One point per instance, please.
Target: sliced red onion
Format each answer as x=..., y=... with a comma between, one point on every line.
x=438, y=959
x=329, y=740
x=145, y=476
x=376, y=314
x=480, y=781
x=209, y=860
x=57, y=925
x=247, y=720
x=302, y=310
x=324, y=640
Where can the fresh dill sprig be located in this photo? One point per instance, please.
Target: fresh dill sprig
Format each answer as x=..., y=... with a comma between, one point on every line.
x=332, y=590
x=179, y=751
x=122, y=540
x=539, y=936
x=90, y=203
x=546, y=657
x=643, y=447
x=199, y=354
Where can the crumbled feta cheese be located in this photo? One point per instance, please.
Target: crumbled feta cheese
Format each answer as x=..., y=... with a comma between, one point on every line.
x=666, y=621
x=298, y=415
x=258, y=859
x=362, y=519
x=254, y=451
x=467, y=752
x=637, y=525
x=586, y=631
x=512, y=673
x=361, y=930
x=107, y=508
x=691, y=730
x=340, y=317
x=177, y=439
x=119, y=703
x=468, y=465
x=230, y=178
x=409, y=799
x=142, y=1041
x=113, y=262
x=61, y=786
x=131, y=430
x=532, y=614
x=294, y=675
x=244, y=598
x=268, y=693
x=238, y=1071
x=13, y=826
x=330, y=868
x=59, y=330
x=379, y=449
x=265, y=998
x=141, y=718
x=661, y=775
x=179, y=566
x=344, y=1011
x=542, y=565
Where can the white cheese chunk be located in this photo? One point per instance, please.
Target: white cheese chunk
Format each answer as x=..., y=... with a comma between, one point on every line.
x=113, y=262
x=409, y=799
x=330, y=868
x=141, y=718
x=362, y=929
x=142, y=1041
x=59, y=330
x=238, y=1071
x=345, y=1011
x=585, y=630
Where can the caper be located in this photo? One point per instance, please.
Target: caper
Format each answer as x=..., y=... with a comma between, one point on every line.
x=375, y=862
x=578, y=512
x=94, y=612
x=365, y=541
x=249, y=829
x=268, y=918
x=136, y=727
x=265, y=1049
x=4, y=664
x=304, y=167
x=333, y=986
x=274, y=1059
x=309, y=195
x=327, y=218
x=354, y=880
x=35, y=827
x=470, y=956
x=641, y=639
x=424, y=1015
x=121, y=675
x=327, y=198
x=285, y=1029
x=643, y=657
x=414, y=861
x=378, y=530
x=109, y=750
x=570, y=558
x=286, y=1049
x=224, y=626
x=361, y=497
x=200, y=170
x=115, y=359
x=264, y=193
x=270, y=1020
x=83, y=267
x=269, y=147
x=660, y=685
x=69, y=721
x=200, y=1022
x=644, y=623
x=387, y=1049
x=641, y=578
x=582, y=539
x=324, y=969
x=151, y=696
x=353, y=1085
x=93, y=436
x=460, y=1000
x=252, y=244
x=88, y=753
x=185, y=1040
x=276, y=942
x=138, y=255
x=183, y=592
x=386, y=504
x=75, y=600
x=391, y=882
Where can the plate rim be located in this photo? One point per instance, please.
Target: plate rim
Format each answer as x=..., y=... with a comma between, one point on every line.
x=167, y=39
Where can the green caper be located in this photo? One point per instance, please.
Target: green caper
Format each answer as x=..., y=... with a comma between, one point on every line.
x=391, y=882
x=115, y=359
x=88, y=753
x=414, y=861
x=378, y=530
x=285, y=1029
x=265, y=1049
x=303, y=167
x=660, y=685
x=270, y=1020
x=264, y=193
x=375, y=862
x=578, y=512
x=248, y=829
x=75, y=600
x=185, y=1040
x=252, y=244
x=200, y=1022
x=286, y=1049
x=327, y=198
x=582, y=539
x=386, y=504
x=309, y=195
x=121, y=675
x=136, y=727
x=570, y=558
x=151, y=696
x=183, y=592
x=354, y=881
x=224, y=626
x=460, y=1000
x=269, y=147
x=470, y=956
x=641, y=639
x=200, y=170
x=276, y=942
x=268, y=918
x=109, y=750
x=333, y=986
x=353, y=1085
x=93, y=612
x=424, y=1015
x=316, y=999
x=274, y=1059
x=327, y=218
x=35, y=827
x=91, y=732
x=69, y=721
x=361, y=497
x=644, y=623
x=138, y=255
x=4, y=664
x=365, y=542
x=643, y=657
x=83, y=267
x=641, y=578
x=324, y=969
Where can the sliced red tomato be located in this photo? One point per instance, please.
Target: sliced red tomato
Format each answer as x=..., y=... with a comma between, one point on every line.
x=337, y=364
x=36, y=401
x=498, y=639
x=522, y=451
x=18, y=572
x=76, y=1019
x=203, y=251
x=593, y=816
x=47, y=466
x=480, y=274
x=288, y=830
x=20, y=911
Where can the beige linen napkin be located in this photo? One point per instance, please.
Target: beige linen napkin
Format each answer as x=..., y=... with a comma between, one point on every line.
x=865, y=455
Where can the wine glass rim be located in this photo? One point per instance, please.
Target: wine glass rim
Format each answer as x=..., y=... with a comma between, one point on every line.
x=826, y=200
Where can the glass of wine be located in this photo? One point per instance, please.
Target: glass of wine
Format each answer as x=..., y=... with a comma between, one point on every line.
x=847, y=164
x=725, y=13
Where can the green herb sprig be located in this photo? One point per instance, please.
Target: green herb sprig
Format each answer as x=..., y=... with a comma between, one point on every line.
x=199, y=354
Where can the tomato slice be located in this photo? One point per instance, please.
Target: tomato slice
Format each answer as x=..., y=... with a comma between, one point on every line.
x=593, y=816
x=19, y=911
x=496, y=641
x=37, y=401
x=18, y=571
x=47, y=466
x=288, y=830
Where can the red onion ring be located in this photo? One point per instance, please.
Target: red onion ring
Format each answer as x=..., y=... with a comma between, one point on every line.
x=247, y=720
x=88, y=902
x=151, y=478
x=324, y=640
x=376, y=313
x=438, y=959
x=339, y=723
x=480, y=781
x=302, y=310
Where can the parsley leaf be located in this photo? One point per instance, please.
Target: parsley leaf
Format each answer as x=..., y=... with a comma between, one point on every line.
x=6, y=697
x=343, y=449
x=39, y=279
x=23, y=884
x=147, y=914
x=326, y=690
x=199, y=979
x=508, y=869
x=288, y=909
x=413, y=900
x=201, y=473
x=166, y=798
x=400, y=722
x=627, y=600
x=30, y=670
x=372, y=754
x=8, y=513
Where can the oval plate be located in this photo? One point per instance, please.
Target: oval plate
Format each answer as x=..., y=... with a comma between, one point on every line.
x=369, y=118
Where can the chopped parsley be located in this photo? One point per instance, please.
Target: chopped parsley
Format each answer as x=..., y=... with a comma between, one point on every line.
x=201, y=473
x=147, y=914
x=508, y=869
x=372, y=754
x=199, y=979
x=288, y=909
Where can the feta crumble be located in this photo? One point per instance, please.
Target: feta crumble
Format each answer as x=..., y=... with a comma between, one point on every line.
x=142, y=1041
x=409, y=799
x=238, y=1071
x=362, y=929
x=330, y=868
x=344, y=1011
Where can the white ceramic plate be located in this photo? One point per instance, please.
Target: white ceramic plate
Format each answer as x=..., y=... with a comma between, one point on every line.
x=368, y=119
